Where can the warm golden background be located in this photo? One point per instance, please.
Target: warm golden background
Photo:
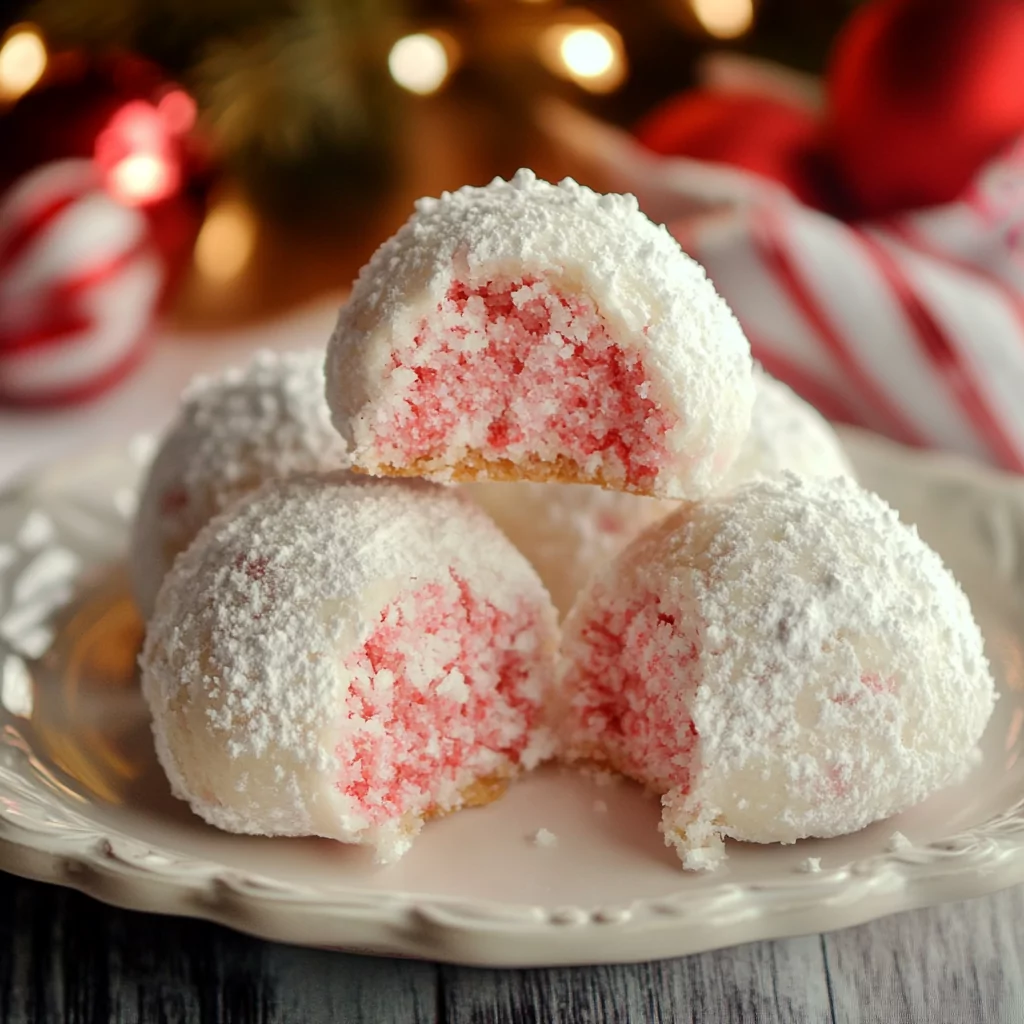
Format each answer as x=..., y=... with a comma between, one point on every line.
x=324, y=119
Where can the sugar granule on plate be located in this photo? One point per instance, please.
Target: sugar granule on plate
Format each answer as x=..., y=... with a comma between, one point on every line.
x=810, y=865
x=544, y=838
x=898, y=841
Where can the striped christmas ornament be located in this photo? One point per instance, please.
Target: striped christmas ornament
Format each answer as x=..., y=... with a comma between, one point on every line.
x=80, y=280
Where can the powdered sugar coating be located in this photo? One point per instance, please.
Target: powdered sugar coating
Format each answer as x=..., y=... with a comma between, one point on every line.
x=786, y=433
x=277, y=685
x=784, y=661
x=233, y=431
x=567, y=531
x=620, y=311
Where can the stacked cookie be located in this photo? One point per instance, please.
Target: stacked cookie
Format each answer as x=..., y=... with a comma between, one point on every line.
x=336, y=651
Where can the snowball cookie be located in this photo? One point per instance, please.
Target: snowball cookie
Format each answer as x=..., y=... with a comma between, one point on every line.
x=232, y=433
x=786, y=433
x=525, y=330
x=347, y=659
x=567, y=531
x=784, y=661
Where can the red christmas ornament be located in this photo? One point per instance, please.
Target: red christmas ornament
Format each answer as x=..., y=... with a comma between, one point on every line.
x=757, y=133
x=922, y=93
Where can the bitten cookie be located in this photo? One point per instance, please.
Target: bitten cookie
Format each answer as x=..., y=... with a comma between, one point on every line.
x=529, y=331
x=347, y=659
x=784, y=661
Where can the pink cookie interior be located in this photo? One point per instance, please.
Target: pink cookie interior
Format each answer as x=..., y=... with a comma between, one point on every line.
x=544, y=374
x=635, y=666
x=430, y=742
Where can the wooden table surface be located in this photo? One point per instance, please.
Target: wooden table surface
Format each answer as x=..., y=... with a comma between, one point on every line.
x=65, y=957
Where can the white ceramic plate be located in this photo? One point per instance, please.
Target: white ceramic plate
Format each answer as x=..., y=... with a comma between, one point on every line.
x=83, y=802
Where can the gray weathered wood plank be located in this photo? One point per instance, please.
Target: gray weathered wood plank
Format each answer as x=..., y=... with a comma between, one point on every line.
x=316, y=985
x=65, y=957
x=954, y=964
x=766, y=982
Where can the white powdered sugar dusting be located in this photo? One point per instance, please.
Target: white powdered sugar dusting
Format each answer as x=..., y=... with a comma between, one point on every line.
x=247, y=662
x=654, y=299
x=233, y=431
x=817, y=661
x=567, y=531
x=786, y=433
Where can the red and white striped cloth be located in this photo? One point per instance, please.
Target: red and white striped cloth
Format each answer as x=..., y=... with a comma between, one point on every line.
x=912, y=326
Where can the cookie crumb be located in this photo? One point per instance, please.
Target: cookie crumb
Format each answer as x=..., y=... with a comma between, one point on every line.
x=897, y=841
x=544, y=837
